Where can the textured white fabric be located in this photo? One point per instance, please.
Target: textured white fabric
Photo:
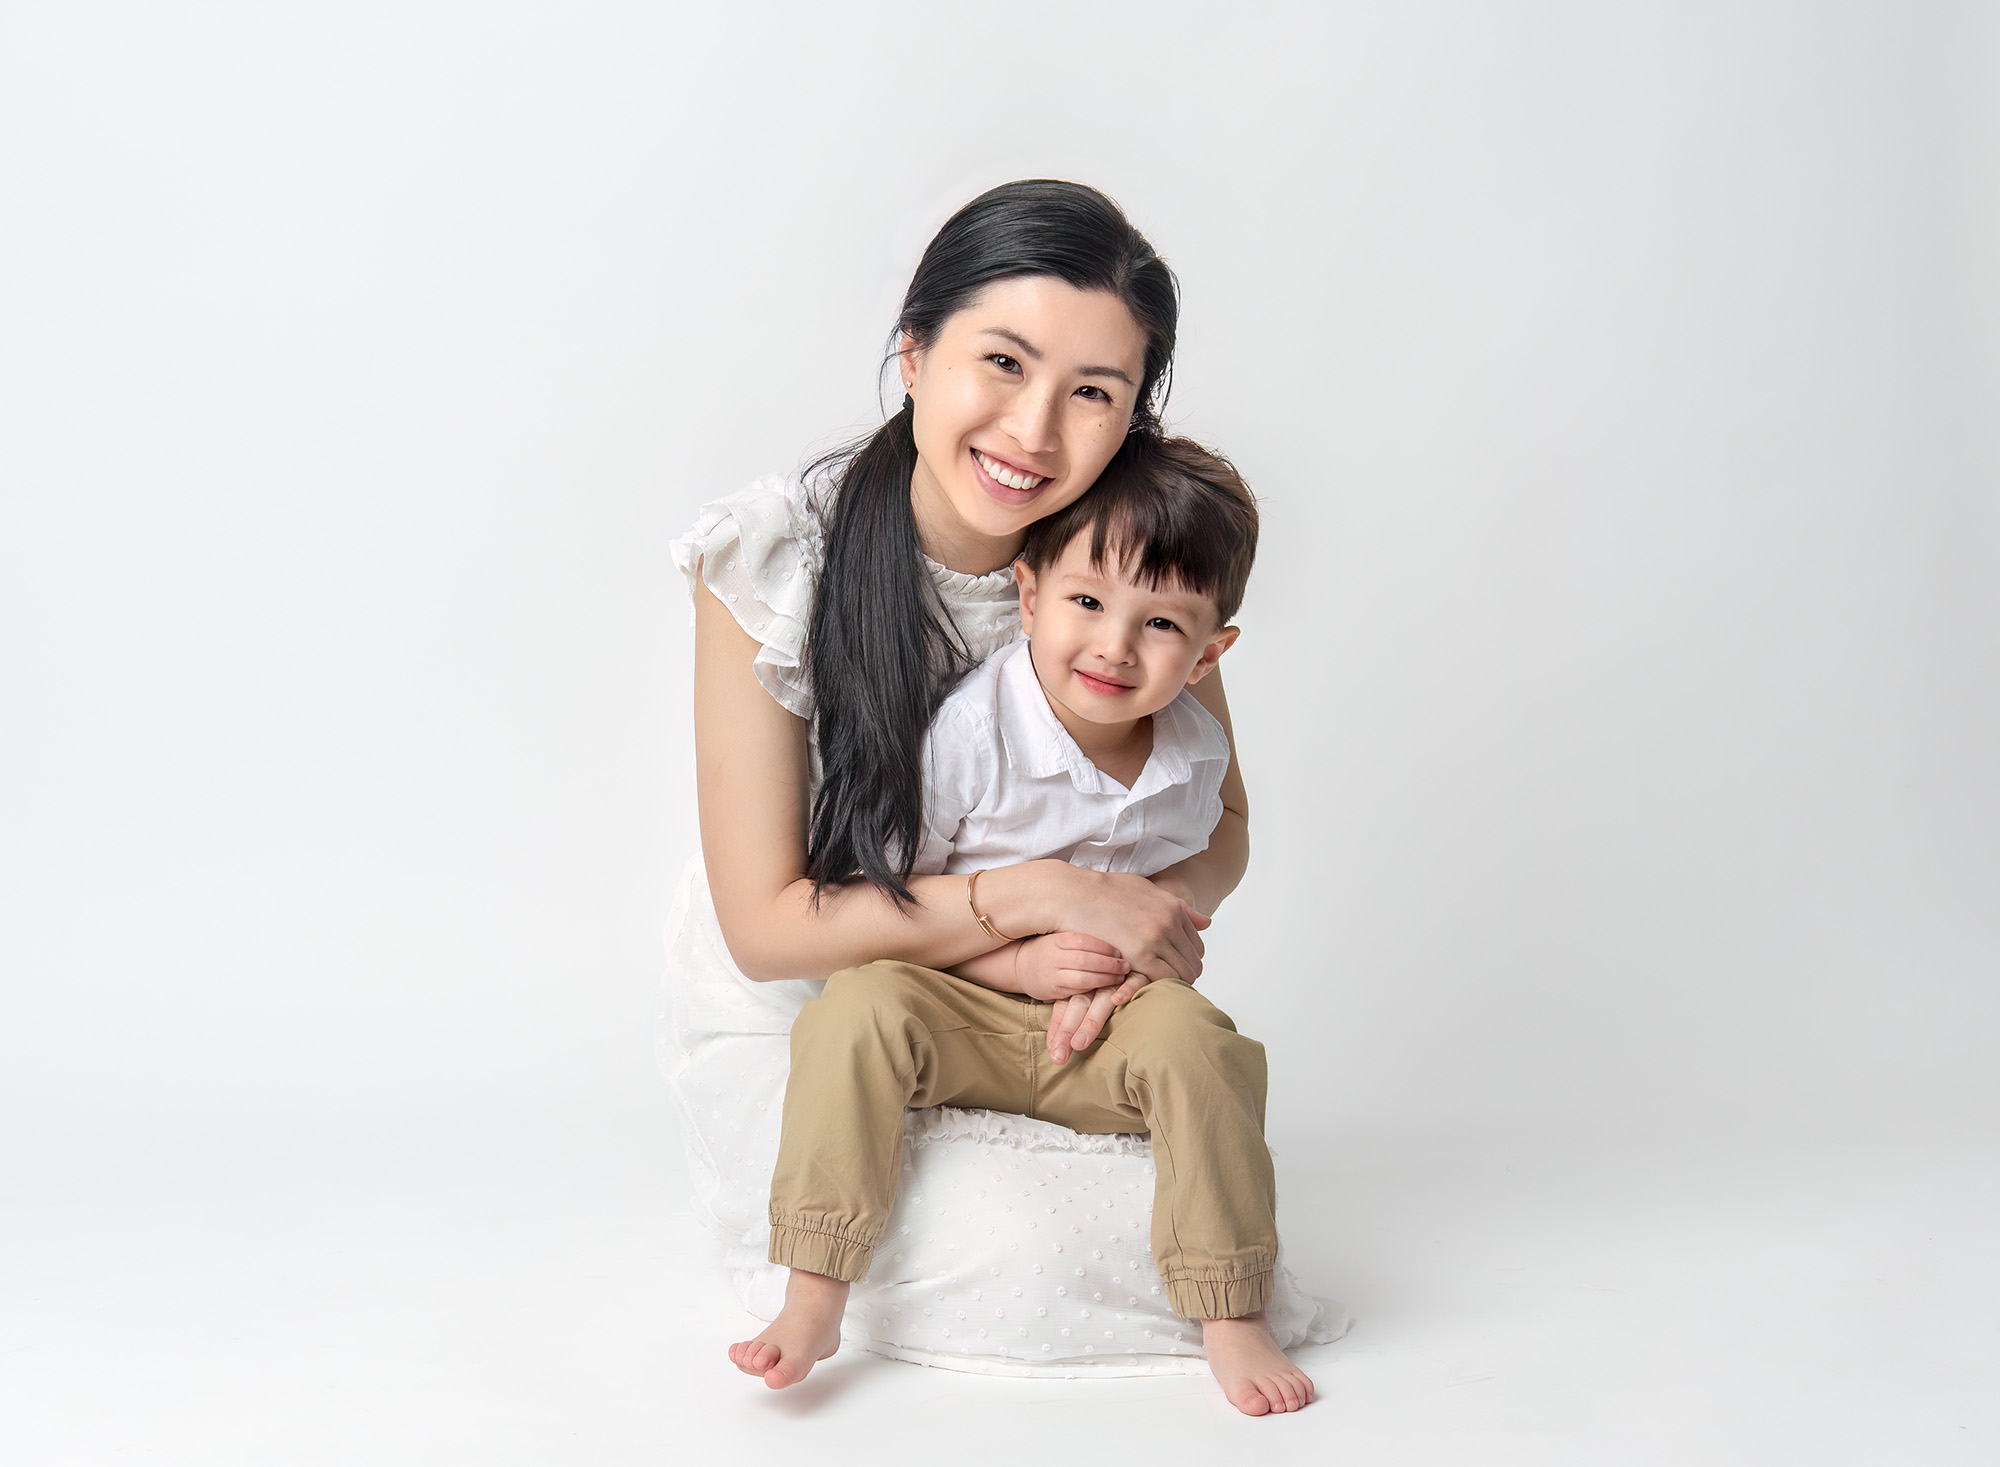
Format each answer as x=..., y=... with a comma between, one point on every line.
x=725, y=1049
x=1004, y=782
x=759, y=550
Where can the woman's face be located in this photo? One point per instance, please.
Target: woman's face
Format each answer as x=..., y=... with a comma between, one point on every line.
x=1020, y=402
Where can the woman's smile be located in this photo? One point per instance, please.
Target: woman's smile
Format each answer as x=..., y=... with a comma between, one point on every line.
x=1007, y=482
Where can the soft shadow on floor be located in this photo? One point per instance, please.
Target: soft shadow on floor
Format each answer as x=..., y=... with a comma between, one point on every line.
x=1582, y=1307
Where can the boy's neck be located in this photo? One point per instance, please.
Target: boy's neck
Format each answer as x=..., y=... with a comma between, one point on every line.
x=1118, y=749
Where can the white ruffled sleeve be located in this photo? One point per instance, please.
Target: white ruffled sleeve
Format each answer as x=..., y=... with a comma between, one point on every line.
x=759, y=551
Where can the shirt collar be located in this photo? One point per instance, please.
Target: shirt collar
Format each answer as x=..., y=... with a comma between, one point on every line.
x=1036, y=743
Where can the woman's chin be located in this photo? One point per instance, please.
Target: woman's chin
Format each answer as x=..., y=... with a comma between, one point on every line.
x=993, y=519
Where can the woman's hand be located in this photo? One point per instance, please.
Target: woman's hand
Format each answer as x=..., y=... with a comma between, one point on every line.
x=1157, y=932
x=1078, y=1020
x=1063, y=965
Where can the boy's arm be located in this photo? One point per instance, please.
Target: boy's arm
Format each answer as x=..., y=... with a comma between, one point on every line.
x=994, y=970
x=1049, y=968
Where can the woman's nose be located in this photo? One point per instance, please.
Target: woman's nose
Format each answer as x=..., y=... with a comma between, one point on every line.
x=1034, y=420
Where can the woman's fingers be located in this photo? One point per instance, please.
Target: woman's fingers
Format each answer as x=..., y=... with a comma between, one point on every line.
x=1077, y=1021
x=1062, y=1020
x=1188, y=942
x=1153, y=927
x=1180, y=955
x=1060, y=1024
x=1094, y=1017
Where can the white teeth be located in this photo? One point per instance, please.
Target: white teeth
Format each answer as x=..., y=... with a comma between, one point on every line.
x=1003, y=475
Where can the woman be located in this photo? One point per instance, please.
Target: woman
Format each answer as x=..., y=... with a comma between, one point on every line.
x=833, y=612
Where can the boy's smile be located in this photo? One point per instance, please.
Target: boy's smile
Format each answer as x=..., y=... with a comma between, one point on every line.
x=1109, y=652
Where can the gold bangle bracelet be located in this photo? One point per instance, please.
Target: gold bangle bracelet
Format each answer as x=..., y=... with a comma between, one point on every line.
x=985, y=922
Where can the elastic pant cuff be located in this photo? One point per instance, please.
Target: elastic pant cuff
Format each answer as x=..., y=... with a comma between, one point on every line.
x=1219, y=1298
x=819, y=1252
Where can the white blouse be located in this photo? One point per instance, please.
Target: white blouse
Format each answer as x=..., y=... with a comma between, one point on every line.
x=1004, y=782
x=759, y=551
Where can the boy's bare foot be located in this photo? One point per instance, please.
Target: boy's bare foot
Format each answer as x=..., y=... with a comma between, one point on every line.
x=1253, y=1372
x=806, y=1331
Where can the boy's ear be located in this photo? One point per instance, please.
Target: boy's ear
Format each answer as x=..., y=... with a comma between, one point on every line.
x=1024, y=581
x=1212, y=653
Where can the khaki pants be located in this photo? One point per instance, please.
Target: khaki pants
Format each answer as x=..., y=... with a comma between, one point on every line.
x=892, y=1035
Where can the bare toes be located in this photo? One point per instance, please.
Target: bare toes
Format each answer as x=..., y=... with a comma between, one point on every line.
x=1253, y=1403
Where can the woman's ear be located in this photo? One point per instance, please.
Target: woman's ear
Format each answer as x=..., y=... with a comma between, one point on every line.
x=1212, y=653
x=908, y=355
x=1024, y=582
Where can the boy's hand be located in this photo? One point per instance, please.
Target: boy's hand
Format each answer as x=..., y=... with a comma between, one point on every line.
x=1077, y=1021
x=1060, y=966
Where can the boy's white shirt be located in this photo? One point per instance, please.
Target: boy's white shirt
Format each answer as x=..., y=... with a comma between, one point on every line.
x=1004, y=782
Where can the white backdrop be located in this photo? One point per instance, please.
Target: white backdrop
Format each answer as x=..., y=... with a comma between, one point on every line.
x=1618, y=693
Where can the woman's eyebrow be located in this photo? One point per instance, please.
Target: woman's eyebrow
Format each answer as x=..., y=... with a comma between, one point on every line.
x=1034, y=354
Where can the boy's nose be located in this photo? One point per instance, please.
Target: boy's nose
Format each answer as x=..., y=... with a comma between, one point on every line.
x=1115, y=645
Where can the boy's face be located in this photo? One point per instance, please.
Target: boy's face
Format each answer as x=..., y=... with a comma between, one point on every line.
x=1111, y=650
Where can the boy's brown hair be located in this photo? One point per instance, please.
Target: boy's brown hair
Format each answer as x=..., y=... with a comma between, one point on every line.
x=1165, y=509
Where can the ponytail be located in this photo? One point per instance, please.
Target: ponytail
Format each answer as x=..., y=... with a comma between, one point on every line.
x=882, y=653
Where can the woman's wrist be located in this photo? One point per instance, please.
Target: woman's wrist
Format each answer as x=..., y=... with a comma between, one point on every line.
x=1031, y=898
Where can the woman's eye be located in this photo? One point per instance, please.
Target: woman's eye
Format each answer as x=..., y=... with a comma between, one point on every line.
x=1095, y=394
x=1005, y=363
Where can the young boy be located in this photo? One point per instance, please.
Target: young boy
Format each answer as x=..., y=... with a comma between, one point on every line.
x=1082, y=743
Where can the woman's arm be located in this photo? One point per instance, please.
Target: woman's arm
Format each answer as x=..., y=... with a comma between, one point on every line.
x=752, y=778
x=1202, y=881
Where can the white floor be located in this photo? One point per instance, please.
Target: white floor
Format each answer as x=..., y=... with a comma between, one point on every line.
x=1530, y=1308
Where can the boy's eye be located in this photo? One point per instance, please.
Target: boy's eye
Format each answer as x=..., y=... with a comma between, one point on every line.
x=1088, y=603
x=1161, y=624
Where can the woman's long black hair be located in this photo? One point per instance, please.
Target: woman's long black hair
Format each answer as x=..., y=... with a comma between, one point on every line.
x=880, y=649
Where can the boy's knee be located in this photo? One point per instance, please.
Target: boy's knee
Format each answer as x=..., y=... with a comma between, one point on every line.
x=1169, y=1023
x=1165, y=1009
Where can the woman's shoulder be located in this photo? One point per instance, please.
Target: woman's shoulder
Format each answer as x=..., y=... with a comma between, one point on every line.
x=759, y=551
x=781, y=515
